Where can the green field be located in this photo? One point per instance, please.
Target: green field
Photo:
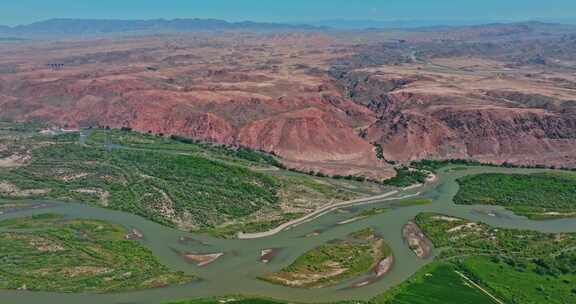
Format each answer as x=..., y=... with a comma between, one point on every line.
x=541, y=195
x=334, y=262
x=435, y=284
x=551, y=280
x=518, y=266
x=50, y=253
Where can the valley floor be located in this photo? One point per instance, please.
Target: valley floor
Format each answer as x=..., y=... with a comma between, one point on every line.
x=348, y=247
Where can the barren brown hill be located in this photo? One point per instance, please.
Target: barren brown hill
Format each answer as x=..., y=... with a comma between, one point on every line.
x=441, y=109
x=251, y=90
x=318, y=101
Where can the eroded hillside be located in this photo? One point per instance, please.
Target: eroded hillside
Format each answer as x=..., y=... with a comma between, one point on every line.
x=318, y=100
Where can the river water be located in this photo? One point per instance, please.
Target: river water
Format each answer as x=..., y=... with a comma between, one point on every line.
x=236, y=272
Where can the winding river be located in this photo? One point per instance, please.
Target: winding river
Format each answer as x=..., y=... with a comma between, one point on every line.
x=237, y=270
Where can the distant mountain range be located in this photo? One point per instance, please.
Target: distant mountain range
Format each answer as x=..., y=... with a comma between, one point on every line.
x=75, y=27
x=97, y=26
x=408, y=24
x=366, y=24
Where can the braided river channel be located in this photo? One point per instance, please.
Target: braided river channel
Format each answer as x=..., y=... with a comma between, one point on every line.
x=237, y=271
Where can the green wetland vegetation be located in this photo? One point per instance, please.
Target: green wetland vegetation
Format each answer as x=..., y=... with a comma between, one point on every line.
x=173, y=181
x=334, y=262
x=186, y=191
x=50, y=253
x=518, y=266
x=541, y=195
x=406, y=177
x=438, y=283
x=552, y=281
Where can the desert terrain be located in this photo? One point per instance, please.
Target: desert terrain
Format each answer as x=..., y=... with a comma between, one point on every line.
x=320, y=100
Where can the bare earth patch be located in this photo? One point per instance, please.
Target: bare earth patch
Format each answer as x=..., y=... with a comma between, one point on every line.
x=202, y=259
x=12, y=190
x=14, y=161
x=416, y=240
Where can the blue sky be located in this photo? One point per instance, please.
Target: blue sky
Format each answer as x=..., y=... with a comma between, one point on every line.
x=25, y=11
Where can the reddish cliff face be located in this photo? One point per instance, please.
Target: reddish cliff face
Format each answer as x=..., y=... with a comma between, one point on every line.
x=282, y=94
x=510, y=119
x=255, y=95
x=307, y=135
x=408, y=136
x=312, y=139
x=492, y=135
x=514, y=135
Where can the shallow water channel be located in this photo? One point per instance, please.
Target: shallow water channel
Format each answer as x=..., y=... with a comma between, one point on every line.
x=237, y=270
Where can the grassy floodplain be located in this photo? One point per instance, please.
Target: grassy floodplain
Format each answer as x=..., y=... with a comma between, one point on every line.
x=516, y=266
x=50, y=253
x=438, y=283
x=334, y=262
x=187, y=191
x=177, y=182
x=460, y=238
x=537, y=196
x=551, y=280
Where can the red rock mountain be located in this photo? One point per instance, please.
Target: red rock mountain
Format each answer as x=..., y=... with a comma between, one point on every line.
x=281, y=93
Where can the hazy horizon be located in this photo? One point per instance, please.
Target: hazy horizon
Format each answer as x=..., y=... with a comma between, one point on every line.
x=296, y=11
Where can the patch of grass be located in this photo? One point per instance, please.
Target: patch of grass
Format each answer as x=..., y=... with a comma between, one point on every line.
x=518, y=266
x=181, y=183
x=460, y=238
x=312, y=187
x=373, y=211
x=129, y=139
x=551, y=280
x=406, y=177
x=437, y=283
x=539, y=195
x=365, y=234
x=334, y=262
x=435, y=165
x=234, y=152
x=185, y=191
x=68, y=255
